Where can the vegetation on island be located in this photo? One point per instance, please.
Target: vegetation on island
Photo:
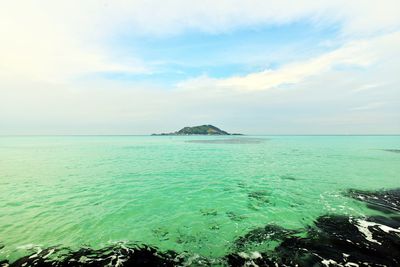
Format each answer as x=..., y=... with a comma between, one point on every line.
x=199, y=130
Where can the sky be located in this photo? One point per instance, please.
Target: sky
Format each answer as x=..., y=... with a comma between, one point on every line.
x=247, y=66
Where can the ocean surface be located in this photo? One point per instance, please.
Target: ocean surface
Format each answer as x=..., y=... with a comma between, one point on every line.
x=203, y=197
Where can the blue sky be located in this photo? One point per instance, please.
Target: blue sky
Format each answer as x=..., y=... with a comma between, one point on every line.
x=235, y=52
x=258, y=67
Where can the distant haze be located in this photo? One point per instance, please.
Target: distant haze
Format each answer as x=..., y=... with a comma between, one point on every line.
x=252, y=67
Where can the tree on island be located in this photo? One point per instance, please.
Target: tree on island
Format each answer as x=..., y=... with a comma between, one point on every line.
x=199, y=130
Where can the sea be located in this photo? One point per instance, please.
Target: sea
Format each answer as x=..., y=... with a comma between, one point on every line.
x=199, y=200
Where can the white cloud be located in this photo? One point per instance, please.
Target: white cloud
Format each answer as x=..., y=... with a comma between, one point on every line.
x=369, y=106
x=359, y=53
x=45, y=45
x=174, y=16
x=34, y=45
x=55, y=40
x=367, y=87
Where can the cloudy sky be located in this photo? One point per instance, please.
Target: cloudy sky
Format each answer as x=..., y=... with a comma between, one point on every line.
x=250, y=66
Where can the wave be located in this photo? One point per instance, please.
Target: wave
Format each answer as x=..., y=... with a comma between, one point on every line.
x=333, y=240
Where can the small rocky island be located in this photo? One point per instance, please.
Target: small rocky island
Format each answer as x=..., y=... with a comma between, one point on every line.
x=199, y=130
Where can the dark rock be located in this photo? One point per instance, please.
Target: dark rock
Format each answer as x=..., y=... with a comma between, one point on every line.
x=260, y=196
x=109, y=256
x=263, y=234
x=249, y=259
x=209, y=212
x=337, y=240
x=235, y=217
x=386, y=200
x=288, y=177
x=333, y=240
x=392, y=150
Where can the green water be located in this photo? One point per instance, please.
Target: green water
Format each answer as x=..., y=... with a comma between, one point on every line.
x=173, y=194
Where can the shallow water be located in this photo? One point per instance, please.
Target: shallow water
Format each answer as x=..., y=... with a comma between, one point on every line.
x=182, y=193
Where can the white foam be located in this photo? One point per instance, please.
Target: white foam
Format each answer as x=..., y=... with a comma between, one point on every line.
x=48, y=254
x=363, y=225
x=351, y=264
x=37, y=254
x=328, y=262
x=251, y=255
x=28, y=246
x=388, y=229
x=255, y=255
x=243, y=255
x=120, y=262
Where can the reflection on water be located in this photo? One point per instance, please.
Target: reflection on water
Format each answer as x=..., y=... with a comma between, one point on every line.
x=229, y=141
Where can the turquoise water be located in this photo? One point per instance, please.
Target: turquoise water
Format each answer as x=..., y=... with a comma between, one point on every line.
x=165, y=191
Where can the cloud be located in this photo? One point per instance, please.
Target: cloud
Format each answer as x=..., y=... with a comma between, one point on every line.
x=175, y=16
x=58, y=40
x=36, y=45
x=361, y=53
x=47, y=46
x=369, y=106
x=367, y=87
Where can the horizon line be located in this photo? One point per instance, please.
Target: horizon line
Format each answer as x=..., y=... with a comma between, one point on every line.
x=83, y=135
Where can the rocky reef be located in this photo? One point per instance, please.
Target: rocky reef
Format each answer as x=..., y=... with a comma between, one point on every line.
x=332, y=240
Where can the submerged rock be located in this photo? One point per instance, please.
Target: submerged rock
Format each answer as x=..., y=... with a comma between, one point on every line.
x=263, y=234
x=288, y=177
x=237, y=141
x=235, y=217
x=385, y=200
x=392, y=150
x=333, y=240
x=260, y=196
x=209, y=212
x=160, y=233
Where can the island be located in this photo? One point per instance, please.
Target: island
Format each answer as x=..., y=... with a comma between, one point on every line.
x=200, y=130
